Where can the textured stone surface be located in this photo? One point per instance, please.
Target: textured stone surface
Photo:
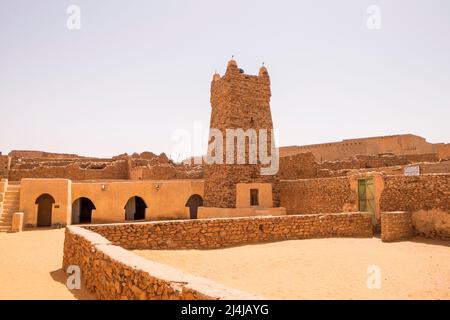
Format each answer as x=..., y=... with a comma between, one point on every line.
x=4, y=166
x=228, y=232
x=396, y=226
x=309, y=196
x=413, y=193
x=113, y=273
x=238, y=101
x=144, y=166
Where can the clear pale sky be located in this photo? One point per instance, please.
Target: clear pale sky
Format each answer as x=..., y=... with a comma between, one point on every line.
x=137, y=71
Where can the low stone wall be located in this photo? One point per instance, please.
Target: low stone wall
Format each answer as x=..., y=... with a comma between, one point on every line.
x=228, y=232
x=396, y=226
x=111, y=272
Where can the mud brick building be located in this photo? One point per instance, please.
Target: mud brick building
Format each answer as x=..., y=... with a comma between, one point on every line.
x=240, y=101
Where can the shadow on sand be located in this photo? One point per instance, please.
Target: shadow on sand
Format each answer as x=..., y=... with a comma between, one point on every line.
x=424, y=240
x=79, y=294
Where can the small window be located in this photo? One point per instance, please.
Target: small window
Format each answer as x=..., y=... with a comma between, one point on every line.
x=254, y=197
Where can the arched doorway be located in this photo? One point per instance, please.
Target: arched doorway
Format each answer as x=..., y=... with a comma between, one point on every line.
x=193, y=203
x=135, y=209
x=45, y=206
x=82, y=210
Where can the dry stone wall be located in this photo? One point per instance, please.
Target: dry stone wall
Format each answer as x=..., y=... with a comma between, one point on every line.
x=228, y=232
x=396, y=226
x=425, y=197
x=414, y=193
x=310, y=196
x=144, y=166
x=304, y=165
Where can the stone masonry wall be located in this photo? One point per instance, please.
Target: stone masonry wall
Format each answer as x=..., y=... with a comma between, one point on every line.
x=396, y=226
x=228, y=232
x=414, y=193
x=144, y=166
x=298, y=166
x=93, y=170
x=425, y=197
x=111, y=272
x=4, y=165
x=310, y=196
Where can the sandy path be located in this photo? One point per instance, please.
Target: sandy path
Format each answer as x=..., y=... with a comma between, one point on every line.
x=323, y=268
x=30, y=266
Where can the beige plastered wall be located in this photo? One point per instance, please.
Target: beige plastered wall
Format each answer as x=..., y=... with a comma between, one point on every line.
x=243, y=194
x=59, y=189
x=164, y=199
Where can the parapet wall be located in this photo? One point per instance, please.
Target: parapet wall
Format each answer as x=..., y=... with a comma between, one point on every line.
x=144, y=166
x=228, y=232
x=304, y=165
x=404, y=144
x=69, y=169
x=111, y=272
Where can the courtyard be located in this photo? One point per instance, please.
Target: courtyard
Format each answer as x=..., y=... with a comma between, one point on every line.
x=30, y=266
x=334, y=268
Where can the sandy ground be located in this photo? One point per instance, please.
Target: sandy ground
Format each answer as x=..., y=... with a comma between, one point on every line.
x=323, y=268
x=30, y=266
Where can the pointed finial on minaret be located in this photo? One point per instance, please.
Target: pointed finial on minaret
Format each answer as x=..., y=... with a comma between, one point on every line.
x=232, y=67
x=263, y=70
x=216, y=75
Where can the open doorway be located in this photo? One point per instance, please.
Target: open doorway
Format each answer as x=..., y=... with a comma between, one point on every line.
x=135, y=208
x=193, y=203
x=82, y=210
x=44, y=212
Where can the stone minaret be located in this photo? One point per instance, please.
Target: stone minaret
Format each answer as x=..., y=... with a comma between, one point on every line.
x=240, y=101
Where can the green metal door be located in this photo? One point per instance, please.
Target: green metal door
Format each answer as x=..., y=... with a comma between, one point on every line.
x=366, y=197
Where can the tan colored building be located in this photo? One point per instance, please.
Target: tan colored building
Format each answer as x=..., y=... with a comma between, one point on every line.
x=53, y=202
x=402, y=144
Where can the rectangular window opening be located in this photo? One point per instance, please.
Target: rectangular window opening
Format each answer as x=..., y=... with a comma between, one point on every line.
x=254, y=197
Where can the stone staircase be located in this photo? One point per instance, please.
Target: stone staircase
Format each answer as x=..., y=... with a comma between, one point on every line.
x=10, y=206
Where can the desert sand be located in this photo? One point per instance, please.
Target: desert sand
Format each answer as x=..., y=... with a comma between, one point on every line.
x=30, y=266
x=323, y=268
